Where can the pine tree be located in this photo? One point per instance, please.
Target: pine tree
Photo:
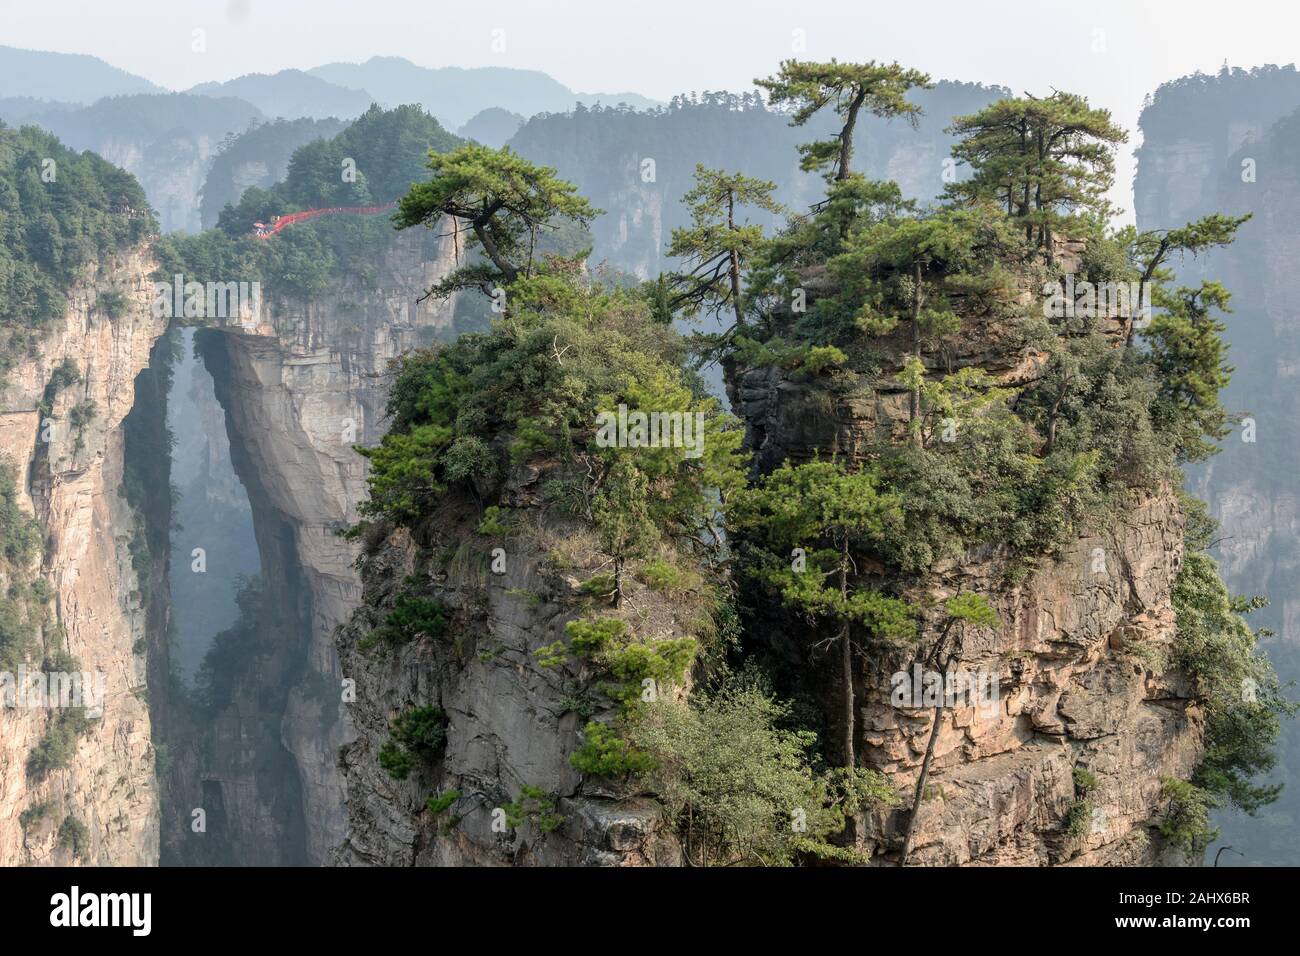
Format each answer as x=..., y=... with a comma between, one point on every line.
x=1189, y=355
x=718, y=245
x=1045, y=160
x=837, y=517
x=848, y=88
x=502, y=200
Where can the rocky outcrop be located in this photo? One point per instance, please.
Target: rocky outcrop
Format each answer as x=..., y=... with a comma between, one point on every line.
x=510, y=722
x=1081, y=684
x=301, y=383
x=69, y=476
x=1077, y=658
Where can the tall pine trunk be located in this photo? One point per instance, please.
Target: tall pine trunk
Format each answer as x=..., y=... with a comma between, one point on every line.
x=920, y=789
x=734, y=264
x=846, y=664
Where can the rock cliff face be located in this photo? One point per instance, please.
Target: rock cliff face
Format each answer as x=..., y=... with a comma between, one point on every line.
x=510, y=722
x=71, y=482
x=1228, y=141
x=1076, y=655
x=301, y=383
x=1073, y=692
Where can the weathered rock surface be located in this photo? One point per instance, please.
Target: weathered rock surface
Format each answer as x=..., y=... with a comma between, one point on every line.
x=511, y=723
x=301, y=383
x=1075, y=689
x=1077, y=654
x=71, y=484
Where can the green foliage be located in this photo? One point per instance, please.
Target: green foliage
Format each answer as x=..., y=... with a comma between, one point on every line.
x=718, y=245
x=20, y=536
x=568, y=351
x=742, y=787
x=82, y=414
x=1188, y=353
x=42, y=590
x=58, y=746
x=396, y=761
x=1186, y=821
x=840, y=518
x=112, y=303
x=665, y=577
x=1242, y=697
x=1085, y=779
x=590, y=637
x=604, y=753
x=35, y=813
x=905, y=269
x=632, y=667
x=74, y=836
x=637, y=667
x=622, y=510
x=495, y=523
x=822, y=357
x=412, y=616
x=421, y=729
x=53, y=228
x=502, y=201
x=417, y=735
x=1078, y=819
x=442, y=802
x=971, y=609
x=1149, y=252
x=598, y=585
x=1045, y=160
x=65, y=375
x=1020, y=465
x=1096, y=400
x=848, y=89
x=552, y=655
x=534, y=805
x=59, y=660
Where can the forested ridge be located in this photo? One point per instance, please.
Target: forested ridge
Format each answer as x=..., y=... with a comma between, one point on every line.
x=60, y=213
x=371, y=162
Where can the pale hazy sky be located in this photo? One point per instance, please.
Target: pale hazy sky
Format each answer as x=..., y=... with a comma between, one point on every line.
x=1112, y=51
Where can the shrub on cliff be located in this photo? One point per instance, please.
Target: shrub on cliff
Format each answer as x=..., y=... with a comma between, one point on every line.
x=742, y=787
x=417, y=735
x=59, y=744
x=1243, y=698
x=20, y=536
x=74, y=836
x=412, y=616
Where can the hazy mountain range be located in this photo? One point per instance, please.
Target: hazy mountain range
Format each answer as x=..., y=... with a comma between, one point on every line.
x=343, y=90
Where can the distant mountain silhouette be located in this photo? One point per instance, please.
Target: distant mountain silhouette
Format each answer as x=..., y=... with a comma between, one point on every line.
x=454, y=95
x=70, y=77
x=292, y=94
